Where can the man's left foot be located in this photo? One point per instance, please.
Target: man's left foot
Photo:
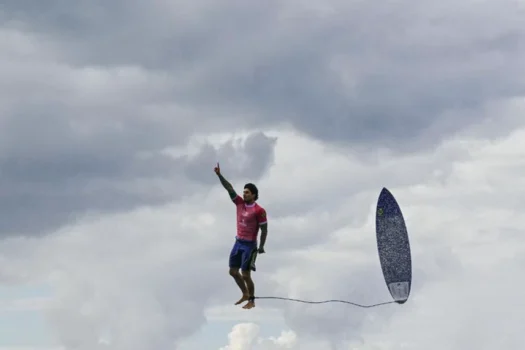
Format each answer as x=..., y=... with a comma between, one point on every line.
x=249, y=305
x=244, y=298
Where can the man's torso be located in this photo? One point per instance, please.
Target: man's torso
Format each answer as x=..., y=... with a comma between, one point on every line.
x=248, y=219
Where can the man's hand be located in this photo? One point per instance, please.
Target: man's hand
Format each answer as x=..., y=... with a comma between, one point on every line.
x=217, y=169
x=261, y=250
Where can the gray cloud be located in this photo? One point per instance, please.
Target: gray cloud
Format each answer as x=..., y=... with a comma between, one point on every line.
x=397, y=85
x=357, y=72
x=78, y=138
x=94, y=93
x=251, y=159
x=93, y=86
x=43, y=192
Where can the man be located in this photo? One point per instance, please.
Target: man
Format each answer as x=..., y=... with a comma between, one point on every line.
x=250, y=217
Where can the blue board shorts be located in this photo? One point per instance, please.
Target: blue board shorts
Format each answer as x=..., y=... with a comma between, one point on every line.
x=243, y=255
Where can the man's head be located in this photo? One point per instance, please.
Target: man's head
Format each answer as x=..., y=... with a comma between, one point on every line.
x=250, y=193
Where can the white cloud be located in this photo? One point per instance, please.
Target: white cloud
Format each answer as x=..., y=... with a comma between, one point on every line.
x=153, y=276
x=462, y=202
x=245, y=336
x=147, y=267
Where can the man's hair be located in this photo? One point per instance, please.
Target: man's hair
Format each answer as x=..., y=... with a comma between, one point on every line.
x=253, y=189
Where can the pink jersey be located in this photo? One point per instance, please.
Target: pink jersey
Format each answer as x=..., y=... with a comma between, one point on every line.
x=249, y=218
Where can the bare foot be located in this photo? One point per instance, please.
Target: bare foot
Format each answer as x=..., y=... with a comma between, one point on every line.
x=249, y=305
x=243, y=299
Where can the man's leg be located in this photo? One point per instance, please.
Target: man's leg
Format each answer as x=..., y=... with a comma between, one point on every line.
x=246, y=275
x=247, y=267
x=242, y=285
x=235, y=265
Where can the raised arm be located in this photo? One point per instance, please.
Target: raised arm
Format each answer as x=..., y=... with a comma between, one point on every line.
x=228, y=186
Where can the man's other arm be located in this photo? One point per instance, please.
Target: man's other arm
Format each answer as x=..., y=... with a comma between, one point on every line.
x=264, y=234
x=263, y=224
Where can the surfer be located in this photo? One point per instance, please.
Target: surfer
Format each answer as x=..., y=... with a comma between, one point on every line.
x=250, y=217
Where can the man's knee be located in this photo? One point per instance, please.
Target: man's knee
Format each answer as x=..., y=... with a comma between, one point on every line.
x=234, y=272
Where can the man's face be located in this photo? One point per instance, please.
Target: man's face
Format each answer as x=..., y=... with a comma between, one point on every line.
x=247, y=195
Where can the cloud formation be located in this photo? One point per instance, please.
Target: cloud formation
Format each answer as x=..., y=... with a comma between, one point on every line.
x=149, y=273
x=90, y=103
x=245, y=336
x=114, y=114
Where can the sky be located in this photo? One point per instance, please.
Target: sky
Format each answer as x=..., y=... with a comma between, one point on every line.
x=115, y=231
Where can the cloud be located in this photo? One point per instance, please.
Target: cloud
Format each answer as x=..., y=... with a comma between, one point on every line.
x=55, y=188
x=460, y=225
x=159, y=269
x=245, y=336
x=336, y=71
x=93, y=95
x=77, y=139
x=248, y=157
x=113, y=117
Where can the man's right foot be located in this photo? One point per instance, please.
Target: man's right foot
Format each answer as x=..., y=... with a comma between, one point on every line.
x=243, y=299
x=249, y=305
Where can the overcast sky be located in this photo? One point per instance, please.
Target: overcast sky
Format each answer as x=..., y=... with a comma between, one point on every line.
x=115, y=232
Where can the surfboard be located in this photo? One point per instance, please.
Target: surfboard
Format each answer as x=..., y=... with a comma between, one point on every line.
x=393, y=247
